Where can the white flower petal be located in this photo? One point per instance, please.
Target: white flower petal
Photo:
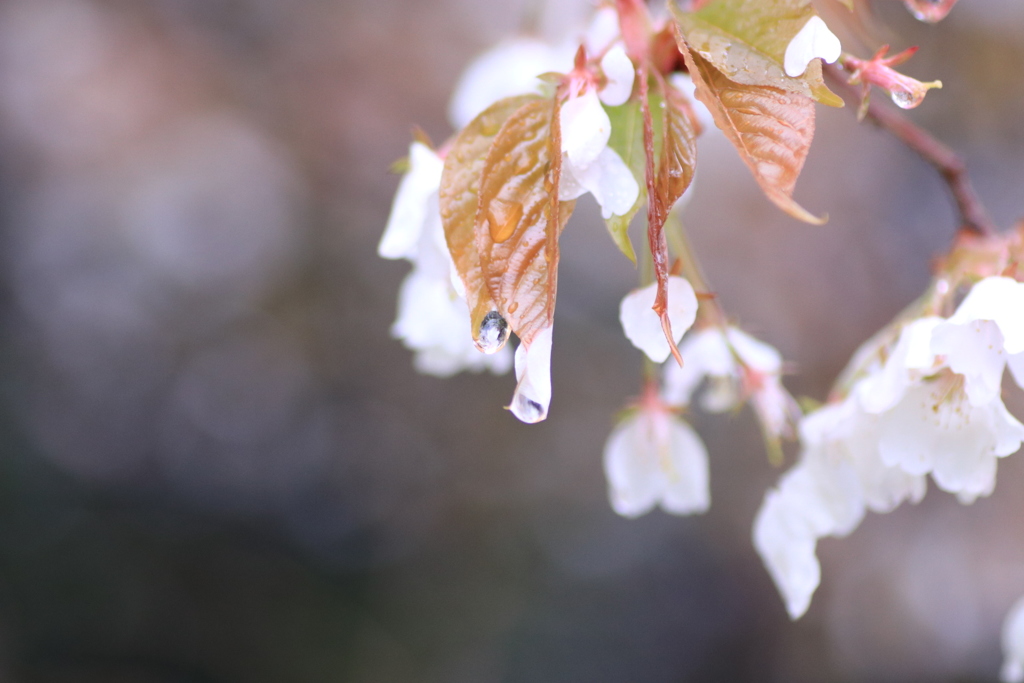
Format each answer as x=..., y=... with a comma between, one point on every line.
x=1013, y=645
x=755, y=353
x=974, y=350
x=686, y=474
x=619, y=70
x=787, y=549
x=1001, y=300
x=1016, y=365
x=936, y=429
x=608, y=179
x=909, y=359
x=603, y=30
x=434, y=321
x=409, y=209
x=653, y=458
x=585, y=129
x=508, y=69
x=813, y=40
x=642, y=325
x=533, y=372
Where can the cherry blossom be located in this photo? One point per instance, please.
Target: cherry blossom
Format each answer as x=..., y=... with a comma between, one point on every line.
x=738, y=367
x=654, y=458
x=533, y=374
x=643, y=326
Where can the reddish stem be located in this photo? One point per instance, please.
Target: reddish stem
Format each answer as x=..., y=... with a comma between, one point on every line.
x=948, y=163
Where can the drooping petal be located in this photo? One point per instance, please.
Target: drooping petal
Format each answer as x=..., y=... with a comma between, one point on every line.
x=813, y=40
x=974, y=350
x=787, y=549
x=1013, y=645
x=409, y=209
x=642, y=325
x=619, y=71
x=533, y=372
x=686, y=471
x=608, y=179
x=585, y=129
x=633, y=485
x=652, y=458
x=704, y=353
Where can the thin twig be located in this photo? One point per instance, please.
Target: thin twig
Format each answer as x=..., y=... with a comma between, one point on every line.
x=948, y=163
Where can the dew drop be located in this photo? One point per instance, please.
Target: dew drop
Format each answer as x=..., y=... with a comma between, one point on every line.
x=503, y=218
x=905, y=100
x=513, y=307
x=493, y=333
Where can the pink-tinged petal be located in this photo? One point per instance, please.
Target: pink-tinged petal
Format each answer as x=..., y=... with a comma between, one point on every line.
x=585, y=129
x=533, y=373
x=620, y=73
x=814, y=40
x=409, y=209
x=642, y=325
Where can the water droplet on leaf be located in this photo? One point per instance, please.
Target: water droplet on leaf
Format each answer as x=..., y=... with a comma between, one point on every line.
x=502, y=218
x=493, y=333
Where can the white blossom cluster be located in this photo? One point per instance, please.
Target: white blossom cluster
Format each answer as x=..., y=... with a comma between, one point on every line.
x=922, y=401
x=928, y=404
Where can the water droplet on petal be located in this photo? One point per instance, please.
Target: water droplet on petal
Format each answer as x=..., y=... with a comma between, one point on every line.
x=493, y=333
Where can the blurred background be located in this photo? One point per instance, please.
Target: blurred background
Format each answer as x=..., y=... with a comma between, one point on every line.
x=216, y=465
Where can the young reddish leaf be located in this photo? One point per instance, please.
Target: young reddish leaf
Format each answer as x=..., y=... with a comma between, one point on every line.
x=459, y=199
x=519, y=218
x=679, y=149
x=771, y=128
x=657, y=213
x=747, y=39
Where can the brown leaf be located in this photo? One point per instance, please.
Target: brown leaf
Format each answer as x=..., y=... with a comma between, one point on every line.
x=519, y=218
x=459, y=200
x=771, y=128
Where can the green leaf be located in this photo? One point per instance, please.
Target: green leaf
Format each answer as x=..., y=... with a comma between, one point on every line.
x=746, y=40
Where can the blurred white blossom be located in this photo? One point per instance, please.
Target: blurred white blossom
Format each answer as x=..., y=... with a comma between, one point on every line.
x=433, y=317
x=654, y=458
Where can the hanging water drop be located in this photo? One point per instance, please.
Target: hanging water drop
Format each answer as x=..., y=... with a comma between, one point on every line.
x=503, y=218
x=493, y=333
x=906, y=100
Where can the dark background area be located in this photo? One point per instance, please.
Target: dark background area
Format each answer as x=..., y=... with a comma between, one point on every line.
x=217, y=466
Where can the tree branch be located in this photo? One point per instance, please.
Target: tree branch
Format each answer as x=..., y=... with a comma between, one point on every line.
x=948, y=163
